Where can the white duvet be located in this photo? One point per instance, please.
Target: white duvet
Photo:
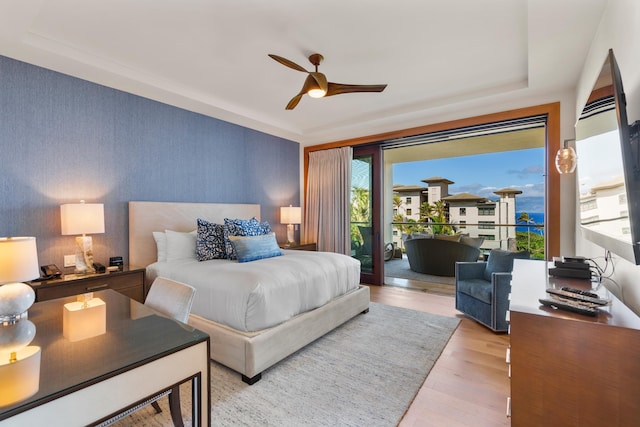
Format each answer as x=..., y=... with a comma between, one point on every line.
x=260, y=294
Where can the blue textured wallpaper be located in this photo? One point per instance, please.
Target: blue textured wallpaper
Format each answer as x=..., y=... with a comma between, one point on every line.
x=63, y=139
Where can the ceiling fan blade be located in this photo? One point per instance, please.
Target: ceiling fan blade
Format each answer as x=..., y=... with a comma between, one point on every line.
x=338, y=88
x=294, y=101
x=309, y=82
x=288, y=63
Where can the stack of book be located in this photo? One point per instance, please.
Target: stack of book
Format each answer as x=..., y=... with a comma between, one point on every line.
x=576, y=268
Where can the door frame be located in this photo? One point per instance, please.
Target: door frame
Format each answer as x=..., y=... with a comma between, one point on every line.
x=376, y=277
x=552, y=144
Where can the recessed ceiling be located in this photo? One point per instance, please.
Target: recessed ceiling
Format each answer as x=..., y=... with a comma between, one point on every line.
x=439, y=59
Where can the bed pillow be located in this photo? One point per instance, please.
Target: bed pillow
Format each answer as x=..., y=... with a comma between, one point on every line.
x=161, y=245
x=242, y=227
x=252, y=248
x=210, y=241
x=180, y=245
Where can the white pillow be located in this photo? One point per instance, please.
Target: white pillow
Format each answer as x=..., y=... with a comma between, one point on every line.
x=161, y=245
x=181, y=245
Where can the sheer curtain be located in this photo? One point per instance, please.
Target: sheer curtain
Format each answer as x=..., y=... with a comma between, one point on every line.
x=327, y=214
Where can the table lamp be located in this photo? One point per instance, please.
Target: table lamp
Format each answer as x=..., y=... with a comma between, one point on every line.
x=82, y=218
x=18, y=263
x=290, y=215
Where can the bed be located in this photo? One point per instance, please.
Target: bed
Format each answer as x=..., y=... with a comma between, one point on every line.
x=248, y=345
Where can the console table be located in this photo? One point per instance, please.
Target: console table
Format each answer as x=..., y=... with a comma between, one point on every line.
x=92, y=380
x=569, y=369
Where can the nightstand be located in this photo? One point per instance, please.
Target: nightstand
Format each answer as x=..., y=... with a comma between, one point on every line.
x=127, y=282
x=300, y=247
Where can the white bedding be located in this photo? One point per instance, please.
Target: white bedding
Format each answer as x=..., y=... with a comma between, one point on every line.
x=261, y=294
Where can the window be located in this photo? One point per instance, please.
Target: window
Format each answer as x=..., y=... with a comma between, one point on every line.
x=395, y=211
x=486, y=211
x=463, y=224
x=487, y=236
x=408, y=211
x=588, y=205
x=463, y=211
x=486, y=225
x=408, y=200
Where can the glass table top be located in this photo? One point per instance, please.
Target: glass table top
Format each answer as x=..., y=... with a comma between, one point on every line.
x=77, y=351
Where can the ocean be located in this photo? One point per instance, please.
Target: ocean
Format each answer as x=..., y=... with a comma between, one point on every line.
x=535, y=217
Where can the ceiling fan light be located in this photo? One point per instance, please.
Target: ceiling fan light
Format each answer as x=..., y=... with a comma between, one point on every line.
x=316, y=93
x=566, y=158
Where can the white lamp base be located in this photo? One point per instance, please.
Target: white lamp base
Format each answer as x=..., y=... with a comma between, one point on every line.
x=15, y=300
x=84, y=255
x=291, y=240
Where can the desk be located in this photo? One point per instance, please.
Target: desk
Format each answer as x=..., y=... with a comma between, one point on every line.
x=91, y=380
x=568, y=369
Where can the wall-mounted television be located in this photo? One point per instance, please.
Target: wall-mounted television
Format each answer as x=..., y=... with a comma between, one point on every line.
x=608, y=172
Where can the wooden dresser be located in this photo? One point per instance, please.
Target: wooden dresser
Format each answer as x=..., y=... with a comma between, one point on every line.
x=569, y=369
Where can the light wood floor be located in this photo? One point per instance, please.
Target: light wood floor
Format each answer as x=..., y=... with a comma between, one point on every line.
x=469, y=385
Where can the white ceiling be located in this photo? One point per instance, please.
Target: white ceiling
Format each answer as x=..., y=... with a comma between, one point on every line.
x=210, y=56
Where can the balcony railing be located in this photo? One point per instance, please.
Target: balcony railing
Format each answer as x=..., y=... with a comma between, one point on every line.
x=518, y=236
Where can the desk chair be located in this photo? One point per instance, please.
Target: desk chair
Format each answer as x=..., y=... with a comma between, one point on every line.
x=172, y=299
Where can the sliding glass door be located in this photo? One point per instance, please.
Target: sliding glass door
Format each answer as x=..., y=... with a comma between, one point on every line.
x=366, y=195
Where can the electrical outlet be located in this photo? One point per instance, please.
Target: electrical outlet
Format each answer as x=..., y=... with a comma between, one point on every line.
x=69, y=260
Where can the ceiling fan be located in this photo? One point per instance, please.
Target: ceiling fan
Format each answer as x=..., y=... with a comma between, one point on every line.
x=316, y=84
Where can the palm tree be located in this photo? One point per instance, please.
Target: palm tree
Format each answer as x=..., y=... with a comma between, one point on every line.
x=360, y=212
x=524, y=218
x=438, y=214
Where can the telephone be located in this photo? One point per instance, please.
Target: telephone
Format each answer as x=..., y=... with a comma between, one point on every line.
x=50, y=271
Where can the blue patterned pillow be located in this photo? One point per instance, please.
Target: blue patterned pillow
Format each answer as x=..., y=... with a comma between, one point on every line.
x=242, y=227
x=210, y=242
x=252, y=248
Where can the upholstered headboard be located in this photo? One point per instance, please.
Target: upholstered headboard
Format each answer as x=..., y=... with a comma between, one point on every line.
x=147, y=217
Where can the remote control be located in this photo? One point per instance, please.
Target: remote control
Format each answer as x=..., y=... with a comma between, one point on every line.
x=577, y=297
x=580, y=291
x=568, y=305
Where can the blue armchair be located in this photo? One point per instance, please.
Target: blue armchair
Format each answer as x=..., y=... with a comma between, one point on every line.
x=482, y=288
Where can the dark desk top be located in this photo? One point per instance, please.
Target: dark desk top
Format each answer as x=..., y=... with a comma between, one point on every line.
x=134, y=335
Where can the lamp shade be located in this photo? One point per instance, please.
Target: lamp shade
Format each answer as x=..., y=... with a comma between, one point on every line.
x=82, y=218
x=290, y=215
x=18, y=259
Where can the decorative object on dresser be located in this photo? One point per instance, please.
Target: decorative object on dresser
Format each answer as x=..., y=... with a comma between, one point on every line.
x=290, y=215
x=82, y=218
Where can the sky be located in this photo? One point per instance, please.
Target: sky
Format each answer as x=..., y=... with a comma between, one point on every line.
x=483, y=174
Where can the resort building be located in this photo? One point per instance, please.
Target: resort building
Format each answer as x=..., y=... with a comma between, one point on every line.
x=494, y=220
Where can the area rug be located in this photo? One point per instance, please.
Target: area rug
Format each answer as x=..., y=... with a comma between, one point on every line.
x=364, y=373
